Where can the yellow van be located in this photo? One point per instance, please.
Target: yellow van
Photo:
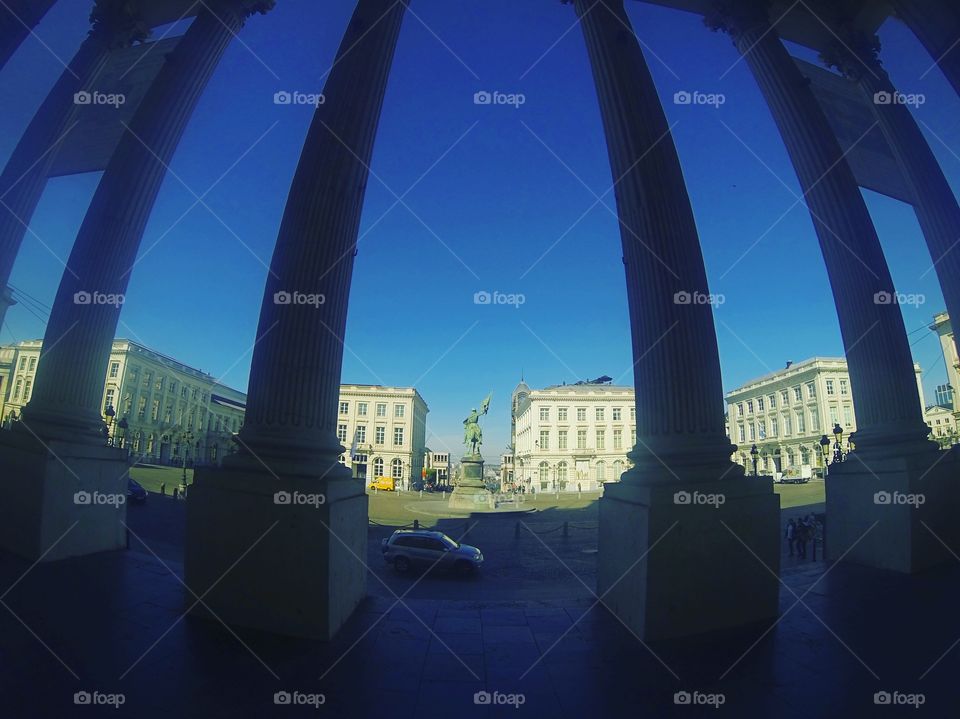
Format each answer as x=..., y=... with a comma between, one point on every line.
x=386, y=484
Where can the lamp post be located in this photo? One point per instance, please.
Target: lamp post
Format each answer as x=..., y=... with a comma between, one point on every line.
x=185, y=442
x=825, y=448
x=122, y=425
x=754, y=453
x=110, y=413
x=838, y=446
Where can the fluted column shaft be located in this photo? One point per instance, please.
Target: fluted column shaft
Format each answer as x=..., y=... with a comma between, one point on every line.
x=680, y=430
x=933, y=200
x=937, y=25
x=79, y=337
x=295, y=373
x=17, y=20
x=882, y=379
x=25, y=176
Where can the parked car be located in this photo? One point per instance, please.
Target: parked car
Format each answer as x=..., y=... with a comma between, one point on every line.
x=408, y=547
x=385, y=484
x=136, y=494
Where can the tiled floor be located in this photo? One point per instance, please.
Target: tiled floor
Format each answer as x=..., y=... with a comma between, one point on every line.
x=112, y=623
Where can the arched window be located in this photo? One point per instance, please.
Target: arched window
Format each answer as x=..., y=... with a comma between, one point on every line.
x=617, y=470
x=396, y=468
x=601, y=471
x=378, y=467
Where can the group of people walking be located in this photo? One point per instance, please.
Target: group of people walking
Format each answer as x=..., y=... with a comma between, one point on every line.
x=801, y=532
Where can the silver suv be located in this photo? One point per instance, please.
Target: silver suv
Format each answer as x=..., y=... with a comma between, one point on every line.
x=407, y=547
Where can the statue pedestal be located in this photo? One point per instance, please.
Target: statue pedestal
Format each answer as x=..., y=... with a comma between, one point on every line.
x=470, y=491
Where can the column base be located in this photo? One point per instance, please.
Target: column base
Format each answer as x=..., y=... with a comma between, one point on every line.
x=672, y=560
x=913, y=502
x=286, y=555
x=61, y=499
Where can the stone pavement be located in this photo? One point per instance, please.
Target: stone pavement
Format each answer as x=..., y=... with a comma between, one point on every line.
x=112, y=623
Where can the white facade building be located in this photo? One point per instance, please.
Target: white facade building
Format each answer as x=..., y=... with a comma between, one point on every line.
x=384, y=431
x=572, y=437
x=439, y=461
x=787, y=413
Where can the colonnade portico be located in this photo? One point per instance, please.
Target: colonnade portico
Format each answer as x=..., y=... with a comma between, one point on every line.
x=664, y=565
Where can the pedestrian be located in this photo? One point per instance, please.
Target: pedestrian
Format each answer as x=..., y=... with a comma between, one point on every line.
x=802, y=535
x=791, y=535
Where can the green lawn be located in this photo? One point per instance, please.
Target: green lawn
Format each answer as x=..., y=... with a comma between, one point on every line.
x=797, y=495
x=150, y=478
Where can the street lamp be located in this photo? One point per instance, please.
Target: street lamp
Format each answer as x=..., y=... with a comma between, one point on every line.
x=122, y=425
x=754, y=452
x=825, y=448
x=110, y=413
x=837, y=447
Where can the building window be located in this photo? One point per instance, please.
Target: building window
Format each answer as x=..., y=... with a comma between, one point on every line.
x=773, y=401
x=601, y=439
x=759, y=404
x=742, y=433
x=762, y=429
x=830, y=391
x=847, y=416
x=361, y=433
x=378, y=467
x=562, y=474
x=108, y=402
x=114, y=369
x=544, y=414
x=396, y=469
x=801, y=428
x=155, y=410
x=740, y=409
x=633, y=414
x=380, y=434
x=344, y=408
x=544, y=475
x=544, y=440
x=797, y=394
x=773, y=426
x=834, y=417
x=749, y=406
x=601, y=471
x=618, y=438
x=784, y=397
x=381, y=410
x=814, y=420
x=141, y=407
x=399, y=410
x=617, y=470
x=599, y=414
x=581, y=439
x=342, y=432
x=562, y=439
x=562, y=414
x=753, y=432
x=581, y=414
x=362, y=409
x=23, y=363
x=843, y=387
x=398, y=436
x=18, y=388
x=33, y=363
x=811, y=390
x=617, y=412
x=787, y=428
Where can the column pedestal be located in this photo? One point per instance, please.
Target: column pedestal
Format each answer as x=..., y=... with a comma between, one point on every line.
x=470, y=492
x=911, y=499
x=61, y=499
x=284, y=555
x=672, y=560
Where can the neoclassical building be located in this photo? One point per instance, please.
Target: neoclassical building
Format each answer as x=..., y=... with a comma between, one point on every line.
x=573, y=437
x=159, y=409
x=383, y=429
x=787, y=413
x=289, y=439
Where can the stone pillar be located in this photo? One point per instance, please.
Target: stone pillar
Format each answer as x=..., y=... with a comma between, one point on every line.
x=937, y=25
x=936, y=206
x=284, y=501
x=25, y=175
x=892, y=451
x=889, y=417
x=76, y=349
x=670, y=531
x=17, y=20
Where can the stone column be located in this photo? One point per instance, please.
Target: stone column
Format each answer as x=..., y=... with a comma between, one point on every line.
x=82, y=325
x=17, y=20
x=285, y=503
x=889, y=417
x=25, y=175
x=670, y=505
x=933, y=200
x=295, y=372
x=937, y=25
x=679, y=425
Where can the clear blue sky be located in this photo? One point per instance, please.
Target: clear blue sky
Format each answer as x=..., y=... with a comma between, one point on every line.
x=488, y=211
